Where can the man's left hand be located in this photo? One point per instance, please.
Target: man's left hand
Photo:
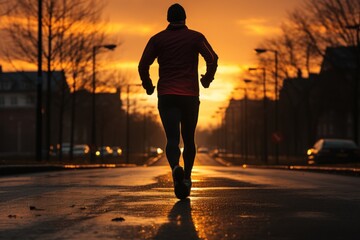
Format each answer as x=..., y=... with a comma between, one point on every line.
x=150, y=90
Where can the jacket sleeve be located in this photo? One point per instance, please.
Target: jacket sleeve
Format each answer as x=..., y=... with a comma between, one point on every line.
x=210, y=57
x=148, y=57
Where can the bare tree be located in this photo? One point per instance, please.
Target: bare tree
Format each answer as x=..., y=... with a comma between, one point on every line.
x=306, y=34
x=70, y=30
x=311, y=28
x=66, y=25
x=6, y=6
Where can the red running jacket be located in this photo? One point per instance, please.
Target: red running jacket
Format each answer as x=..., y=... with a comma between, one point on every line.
x=177, y=51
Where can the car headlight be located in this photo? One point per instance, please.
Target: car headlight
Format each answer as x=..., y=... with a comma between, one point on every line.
x=309, y=152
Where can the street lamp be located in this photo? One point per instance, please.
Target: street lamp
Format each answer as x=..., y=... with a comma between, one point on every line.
x=246, y=120
x=217, y=131
x=223, y=128
x=147, y=111
x=128, y=121
x=265, y=157
x=93, y=104
x=38, y=146
x=356, y=27
x=242, y=108
x=245, y=123
x=260, y=51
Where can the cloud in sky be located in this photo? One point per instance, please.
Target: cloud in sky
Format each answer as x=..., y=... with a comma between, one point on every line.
x=258, y=26
x=130, y=28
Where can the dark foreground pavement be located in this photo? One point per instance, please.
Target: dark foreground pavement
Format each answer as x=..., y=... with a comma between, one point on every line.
x=138, y=203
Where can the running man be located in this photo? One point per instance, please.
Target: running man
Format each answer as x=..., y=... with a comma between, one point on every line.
x=177, y=50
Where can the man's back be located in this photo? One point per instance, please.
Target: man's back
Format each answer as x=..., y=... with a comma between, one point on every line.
x=177, y=49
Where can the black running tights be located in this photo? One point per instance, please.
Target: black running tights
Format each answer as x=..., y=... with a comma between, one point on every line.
x=179, y=114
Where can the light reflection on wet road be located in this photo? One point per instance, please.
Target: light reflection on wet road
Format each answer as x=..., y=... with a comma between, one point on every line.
x=226, y=203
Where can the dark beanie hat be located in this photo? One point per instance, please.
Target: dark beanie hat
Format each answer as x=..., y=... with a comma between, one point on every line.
x=176, y=13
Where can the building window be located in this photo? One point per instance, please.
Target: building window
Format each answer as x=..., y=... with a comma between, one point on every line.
x=30, y=100
x=5, y=85
x=13, y=100
x=2, y=101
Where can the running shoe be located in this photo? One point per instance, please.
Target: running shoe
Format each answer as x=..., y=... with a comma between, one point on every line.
x=180, y=189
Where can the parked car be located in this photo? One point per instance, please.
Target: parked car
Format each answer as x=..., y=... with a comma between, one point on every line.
x=218, y=152
x=203, y=150
x=104, y=151
x=117, y=151
x=155, y=151
x=81, y=149
x=333, y=151
x=78, y=149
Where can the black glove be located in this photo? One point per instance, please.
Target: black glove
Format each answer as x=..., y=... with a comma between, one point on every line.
x=205, y=81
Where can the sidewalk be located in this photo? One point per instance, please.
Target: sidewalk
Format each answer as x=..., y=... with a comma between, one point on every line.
x=21, y=167
x=352, y=169
x=7, y=170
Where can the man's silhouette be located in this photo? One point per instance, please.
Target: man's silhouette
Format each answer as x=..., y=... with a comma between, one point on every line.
x=177, y=50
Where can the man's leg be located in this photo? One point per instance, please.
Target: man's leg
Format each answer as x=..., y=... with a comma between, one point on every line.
x=170, y=118
x=188, y=125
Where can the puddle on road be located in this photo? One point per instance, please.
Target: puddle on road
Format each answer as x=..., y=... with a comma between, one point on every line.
x=222, y=188
x=106, y=220
x=14, y=181
x=312, y=215
x=249, y=216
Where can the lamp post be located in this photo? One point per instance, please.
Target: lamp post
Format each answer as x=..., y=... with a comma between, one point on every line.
x=246, y=120
x=93, y=102
x=216, y=132
x=260, y=51
x=245, y=125
x=242, y=108
x=224, y=129
x=356, y=27
x=265, y=157
x=147, y=111
x=127, y=152
x=38, y=141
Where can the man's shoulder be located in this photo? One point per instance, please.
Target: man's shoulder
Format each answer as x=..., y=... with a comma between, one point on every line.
x=159, y=33
x=196, y=35
x=194, y=31
x=167, y=30
x=164, y=34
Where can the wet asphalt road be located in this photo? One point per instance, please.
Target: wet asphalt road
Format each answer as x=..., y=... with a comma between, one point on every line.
x=139, y=203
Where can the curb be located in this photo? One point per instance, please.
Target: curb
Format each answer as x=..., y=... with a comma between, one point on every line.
x=23, y=169
x=152, y=161
x=341, y=170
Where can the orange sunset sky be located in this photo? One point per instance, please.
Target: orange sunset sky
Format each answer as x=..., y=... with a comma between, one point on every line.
x=233, y=28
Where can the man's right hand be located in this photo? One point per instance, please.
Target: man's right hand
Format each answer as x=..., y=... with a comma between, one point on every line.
x=205, y=81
